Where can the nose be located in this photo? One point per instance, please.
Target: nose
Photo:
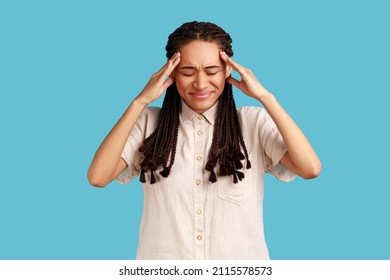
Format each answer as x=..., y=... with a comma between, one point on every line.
x=200, y=81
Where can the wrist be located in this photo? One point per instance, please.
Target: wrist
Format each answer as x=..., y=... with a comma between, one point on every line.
x=139, y=102
x=265, y=97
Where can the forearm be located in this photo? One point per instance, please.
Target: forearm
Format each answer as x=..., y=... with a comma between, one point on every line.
x=108, y=155
x=301, y=154
x=107, y=162
x=300, y=158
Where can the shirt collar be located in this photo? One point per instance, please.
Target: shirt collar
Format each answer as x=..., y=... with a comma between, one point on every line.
x=188, y=114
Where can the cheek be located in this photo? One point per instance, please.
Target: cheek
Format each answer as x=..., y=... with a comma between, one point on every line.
x=181, y=85
x=183, y=82
x=220, y=79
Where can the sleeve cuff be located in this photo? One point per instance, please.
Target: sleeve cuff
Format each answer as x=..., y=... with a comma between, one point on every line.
x=282, y=173
x=127, y=174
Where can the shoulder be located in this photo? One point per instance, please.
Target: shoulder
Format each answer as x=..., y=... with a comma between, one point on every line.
x=149, y=114
x=151, y=111
x=146, y=122
x=250, y=109
x=252, y=114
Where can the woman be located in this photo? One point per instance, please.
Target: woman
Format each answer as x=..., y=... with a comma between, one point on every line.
x=200, y=159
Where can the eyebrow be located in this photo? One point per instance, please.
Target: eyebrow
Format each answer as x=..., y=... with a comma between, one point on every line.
x=207, y=67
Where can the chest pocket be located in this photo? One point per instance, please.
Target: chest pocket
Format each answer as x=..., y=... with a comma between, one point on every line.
x=237, y=193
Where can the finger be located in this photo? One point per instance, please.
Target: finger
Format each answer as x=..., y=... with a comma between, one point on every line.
x=172, y=65
x=158, y=73
x=167, y=83
x=168, y=70
x=240, y=69
x=233, y=81
x=166, y=65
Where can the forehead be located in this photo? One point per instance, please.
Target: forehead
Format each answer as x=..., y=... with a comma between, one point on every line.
x=200, y=53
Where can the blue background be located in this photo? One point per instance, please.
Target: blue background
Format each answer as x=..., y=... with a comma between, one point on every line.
x=69, y=69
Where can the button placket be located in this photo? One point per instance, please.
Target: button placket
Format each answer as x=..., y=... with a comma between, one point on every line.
x=198, y=126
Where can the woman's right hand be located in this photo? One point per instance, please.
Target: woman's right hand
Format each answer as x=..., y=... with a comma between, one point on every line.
x=158, y=82
x=107, y=162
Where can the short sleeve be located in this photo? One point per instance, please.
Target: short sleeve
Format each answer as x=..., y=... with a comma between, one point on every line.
x=142, y=129
x=274, y=148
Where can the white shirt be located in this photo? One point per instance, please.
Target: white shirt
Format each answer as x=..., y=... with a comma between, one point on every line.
x=185, y=216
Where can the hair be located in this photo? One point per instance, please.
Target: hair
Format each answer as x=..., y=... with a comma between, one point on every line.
x=228, y=147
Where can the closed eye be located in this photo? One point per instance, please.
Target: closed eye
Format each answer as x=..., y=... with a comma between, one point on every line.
x=188, y=74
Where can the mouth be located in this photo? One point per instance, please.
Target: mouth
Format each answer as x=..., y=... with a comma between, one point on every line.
x=201, y=94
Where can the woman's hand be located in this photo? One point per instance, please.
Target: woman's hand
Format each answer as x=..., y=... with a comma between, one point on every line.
x=248, y=84
x=158, y=82
x=300, y=157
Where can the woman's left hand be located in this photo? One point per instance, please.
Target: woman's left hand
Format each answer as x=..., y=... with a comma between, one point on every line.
x=300, y=157
x=248, y=84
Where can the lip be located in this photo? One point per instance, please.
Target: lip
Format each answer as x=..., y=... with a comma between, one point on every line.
x=201, y=94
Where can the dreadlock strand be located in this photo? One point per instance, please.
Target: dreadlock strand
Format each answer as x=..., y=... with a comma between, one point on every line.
x=157, y=146
x=241, y=139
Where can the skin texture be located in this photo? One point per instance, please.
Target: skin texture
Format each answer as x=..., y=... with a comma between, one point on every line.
x=200, y=76
x=200, y=85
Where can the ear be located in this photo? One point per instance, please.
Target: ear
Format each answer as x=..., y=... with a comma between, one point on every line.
x=228, y=71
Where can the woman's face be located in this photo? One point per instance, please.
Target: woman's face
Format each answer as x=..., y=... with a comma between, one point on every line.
x=200, y=75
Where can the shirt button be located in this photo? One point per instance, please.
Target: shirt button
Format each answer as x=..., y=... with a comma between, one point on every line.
x=198, y=158
x=198, y=211
x=200, y=117
x=199, y=132
x=199, y=237
x=198, y=182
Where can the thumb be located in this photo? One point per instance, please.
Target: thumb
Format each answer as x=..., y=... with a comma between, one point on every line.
x=167, y=83
x=233, y=81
